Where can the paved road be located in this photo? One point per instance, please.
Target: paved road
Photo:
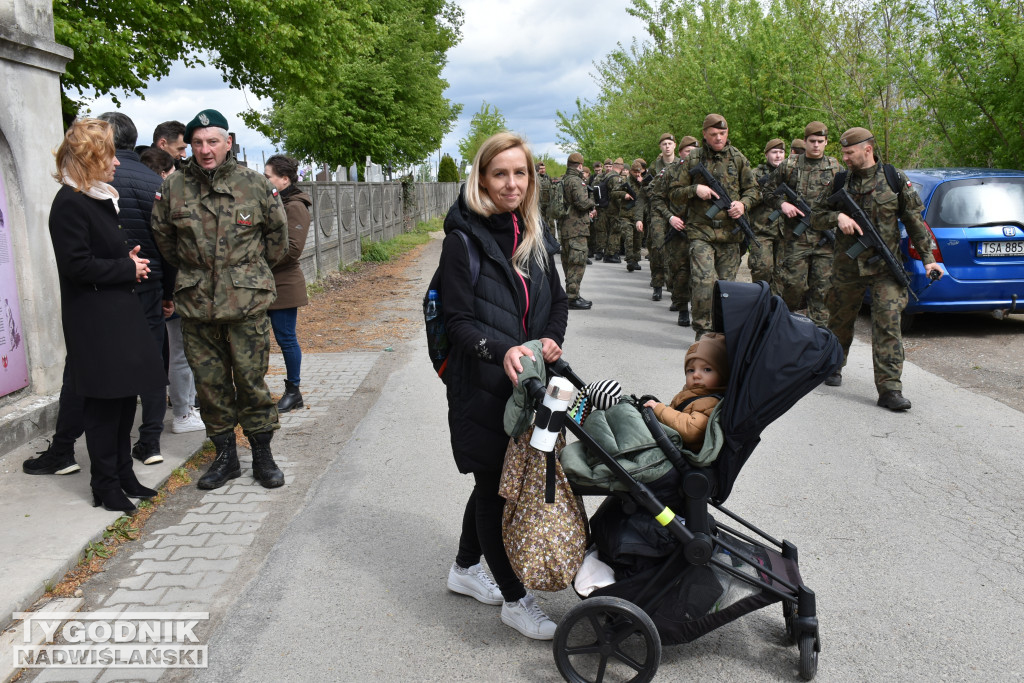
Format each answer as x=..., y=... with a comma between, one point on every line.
x=908, y=526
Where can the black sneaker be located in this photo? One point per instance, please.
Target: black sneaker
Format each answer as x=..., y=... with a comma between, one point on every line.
x=580, y=304
x=147, y=453
x=50, y=462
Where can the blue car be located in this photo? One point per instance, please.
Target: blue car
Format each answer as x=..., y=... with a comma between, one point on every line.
x=977, y=218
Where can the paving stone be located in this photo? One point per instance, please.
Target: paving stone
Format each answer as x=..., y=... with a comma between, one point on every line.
x=52, y=675
x=203, y=517
x=217, y=528
x=181, y=529
x=174, y=540
x=153, y=553
x=232, y=551
x=214, y=579
x=192, y=596
x=134, y=582
x=123, y=596
x=169, y=566
x=258, y=497
x=226, y=565
x=218, y=497
x=185, y=551
x=190, y=580
x=230, y=539
x=246, y=516
x=237, y=507
x=133, y=674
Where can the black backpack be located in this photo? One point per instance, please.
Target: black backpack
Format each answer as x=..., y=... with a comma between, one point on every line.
x=437, y=336
x=602, y=196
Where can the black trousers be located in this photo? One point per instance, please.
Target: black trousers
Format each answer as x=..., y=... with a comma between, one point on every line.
x=481, y=534
x=108, y=435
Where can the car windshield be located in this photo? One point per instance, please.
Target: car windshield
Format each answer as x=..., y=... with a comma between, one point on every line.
x=988, y=201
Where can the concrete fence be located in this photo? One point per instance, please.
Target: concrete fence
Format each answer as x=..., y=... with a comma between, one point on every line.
x=346, y=213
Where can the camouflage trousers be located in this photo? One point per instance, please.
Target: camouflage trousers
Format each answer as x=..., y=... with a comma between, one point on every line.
x=599, y=230
x=765, y=261
x=888, y=299
x=709, y=261
x=654, y=231
x=807, y=272
x=631, y=239
x=677, y=266
x=574, y=263
x=229, y=361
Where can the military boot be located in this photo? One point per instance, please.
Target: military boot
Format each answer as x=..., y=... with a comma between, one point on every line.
x=264, y=469
x=225, y=465
x=292, y=398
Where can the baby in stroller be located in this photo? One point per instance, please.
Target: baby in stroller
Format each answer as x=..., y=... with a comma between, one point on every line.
x=707, y=373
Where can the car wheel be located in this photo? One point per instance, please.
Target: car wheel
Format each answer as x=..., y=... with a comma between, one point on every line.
x=907, y=321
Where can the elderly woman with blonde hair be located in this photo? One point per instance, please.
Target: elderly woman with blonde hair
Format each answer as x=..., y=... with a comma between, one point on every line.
x=112, y=355
x=515, y=296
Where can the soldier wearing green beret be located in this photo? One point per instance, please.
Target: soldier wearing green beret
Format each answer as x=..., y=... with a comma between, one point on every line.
x=223, y=226
x=715, y=250
x=886, y=202
x=574, y=230
x=806, y=268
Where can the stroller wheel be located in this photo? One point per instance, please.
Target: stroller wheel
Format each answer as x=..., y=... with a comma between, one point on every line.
x=606, y=640
x=808, y=656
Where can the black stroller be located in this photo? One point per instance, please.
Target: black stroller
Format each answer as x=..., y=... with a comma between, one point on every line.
x=714, y=573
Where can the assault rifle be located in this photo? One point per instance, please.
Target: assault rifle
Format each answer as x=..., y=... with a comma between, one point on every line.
x=870, y=238
x=827, y=236
x=723, y=203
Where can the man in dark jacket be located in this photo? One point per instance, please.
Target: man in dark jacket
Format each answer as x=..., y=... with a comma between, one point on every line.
x=137, y=186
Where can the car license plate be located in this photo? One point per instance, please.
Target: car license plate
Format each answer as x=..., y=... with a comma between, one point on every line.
x=1001, y=248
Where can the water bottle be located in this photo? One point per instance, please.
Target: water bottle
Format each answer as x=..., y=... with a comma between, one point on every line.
x=437, y=336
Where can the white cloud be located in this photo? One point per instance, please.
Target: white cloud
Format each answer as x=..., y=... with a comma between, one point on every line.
x=529, y=59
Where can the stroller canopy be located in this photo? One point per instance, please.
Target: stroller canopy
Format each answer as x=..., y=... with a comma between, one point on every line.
x=775, y=359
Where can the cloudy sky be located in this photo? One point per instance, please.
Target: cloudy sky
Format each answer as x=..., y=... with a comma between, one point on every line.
x=530, y=59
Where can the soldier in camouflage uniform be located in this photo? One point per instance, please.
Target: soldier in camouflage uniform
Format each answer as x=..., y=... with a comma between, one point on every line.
x=806, y=270
x=574, y=231
x=630, y=200
x=544, y=198
x=714, y=247
x=764, y=262
x=656, y=224
x=599, y=227
x=675, y=244
x=885, y=205
x=223, y=227
x=796, y=148
x=613, y=230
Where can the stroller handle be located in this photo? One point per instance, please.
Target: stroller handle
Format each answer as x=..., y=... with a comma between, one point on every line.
x=563, y=369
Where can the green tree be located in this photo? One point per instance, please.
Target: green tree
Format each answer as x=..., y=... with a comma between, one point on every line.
x=485, y=123
x=446, y=170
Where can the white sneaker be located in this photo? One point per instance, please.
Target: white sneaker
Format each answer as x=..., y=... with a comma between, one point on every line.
x=526, y=616
x=475, y=583
x=190, y=422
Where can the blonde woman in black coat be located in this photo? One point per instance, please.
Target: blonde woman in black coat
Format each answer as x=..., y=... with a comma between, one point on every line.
x=111, y=353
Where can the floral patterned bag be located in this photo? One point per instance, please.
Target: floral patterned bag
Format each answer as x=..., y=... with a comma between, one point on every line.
x=545, y=542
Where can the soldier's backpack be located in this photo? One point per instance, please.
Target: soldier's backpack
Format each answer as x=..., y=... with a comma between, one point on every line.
x=559, y=206
x=602, y=195
x=892, y=177
x=433, y=313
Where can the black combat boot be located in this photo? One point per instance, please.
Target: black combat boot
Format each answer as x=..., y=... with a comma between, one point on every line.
x=224, y=466
x=264, y=469
x=684, y=317
x=292, y=398
x=656, y=296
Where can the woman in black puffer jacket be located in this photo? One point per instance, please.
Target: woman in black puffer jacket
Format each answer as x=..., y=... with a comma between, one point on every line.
x=516, y=297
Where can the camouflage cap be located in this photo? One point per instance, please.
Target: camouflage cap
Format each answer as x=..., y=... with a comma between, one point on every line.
x=666, y=136
x=855, y=136
x=618, y=162
x=687, y=141
x=775, y=143
x=608, y=162
x=798, y=143
x=638, y=165
x=815, y=128
x=207, y=118
x=575, y=158
x=715, y=121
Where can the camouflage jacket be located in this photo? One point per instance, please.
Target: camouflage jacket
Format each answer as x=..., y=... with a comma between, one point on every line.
x=223, y=234
x=759, y=214
x=578, y=203
x=657, y=194
x=885, y=208
x=733, y=171
x=660, y=165
x=544, y=190
x=808, y=178
x=614, y=182
x=631, y=210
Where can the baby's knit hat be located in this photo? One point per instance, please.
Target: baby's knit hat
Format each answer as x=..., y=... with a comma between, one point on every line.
x=710, y=349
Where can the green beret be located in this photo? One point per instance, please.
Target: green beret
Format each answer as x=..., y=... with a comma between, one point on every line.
x=815, y=128
x=855, y=136
x=207, y=118
x=608, y=161
x=798, y=144
x=715, y=121
x=575, y=158
x=638, y=165
x=618, y=162
x=775, y=143
x=666, y=136
x=687, y=141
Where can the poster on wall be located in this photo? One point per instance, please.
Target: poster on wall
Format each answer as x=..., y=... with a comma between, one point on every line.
x=13, y=361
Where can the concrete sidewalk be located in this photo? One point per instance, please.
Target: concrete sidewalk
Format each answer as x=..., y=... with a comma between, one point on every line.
x=48, y=520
